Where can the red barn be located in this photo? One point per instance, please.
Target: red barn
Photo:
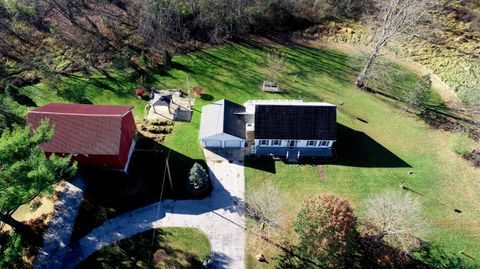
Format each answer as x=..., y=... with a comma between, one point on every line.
x=96, y=135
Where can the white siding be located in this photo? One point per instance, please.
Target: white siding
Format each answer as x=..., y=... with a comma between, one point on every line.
x=300, y=143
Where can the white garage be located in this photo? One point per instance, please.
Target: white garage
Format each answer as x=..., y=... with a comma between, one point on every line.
x=222, y=125
x=233, y=143
x=213, y=143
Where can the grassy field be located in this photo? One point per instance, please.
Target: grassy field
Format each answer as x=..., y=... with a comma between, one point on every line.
x=378, y=142
x=160, y=248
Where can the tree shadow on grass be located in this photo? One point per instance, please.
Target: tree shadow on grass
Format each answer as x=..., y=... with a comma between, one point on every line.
x=355, y=148
x=378, y=254
x=145, y=250
x=435, y=257
x=207, y=97
x=8, y=119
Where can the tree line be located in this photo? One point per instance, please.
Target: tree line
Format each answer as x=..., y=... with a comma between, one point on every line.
x=96, y=34
x=111, y=31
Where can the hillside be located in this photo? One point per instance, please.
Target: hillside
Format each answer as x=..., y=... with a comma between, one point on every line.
x=447, y=45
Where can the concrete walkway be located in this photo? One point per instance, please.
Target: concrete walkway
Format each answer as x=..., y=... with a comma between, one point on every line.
x=220, y=217
x=60, y=226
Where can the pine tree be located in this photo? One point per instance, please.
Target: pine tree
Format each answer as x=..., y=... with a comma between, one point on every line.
x=11, y=249
x=198, y=180
x=26, y=172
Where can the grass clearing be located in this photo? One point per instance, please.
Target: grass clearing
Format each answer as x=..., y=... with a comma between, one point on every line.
x=160, y=248
x=375, y=153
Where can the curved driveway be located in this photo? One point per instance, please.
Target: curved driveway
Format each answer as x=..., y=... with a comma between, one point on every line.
x=220, y=216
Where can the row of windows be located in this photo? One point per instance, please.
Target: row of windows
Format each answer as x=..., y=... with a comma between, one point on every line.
x=275, y=142
x=310, y=143
x=313, y=143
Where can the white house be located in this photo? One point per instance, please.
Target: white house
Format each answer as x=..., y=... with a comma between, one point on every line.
x=290, y=129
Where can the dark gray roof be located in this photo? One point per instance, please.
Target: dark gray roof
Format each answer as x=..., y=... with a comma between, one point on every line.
x=161, y=99
x=221, y=117
x=233, y=124
x=302, y=122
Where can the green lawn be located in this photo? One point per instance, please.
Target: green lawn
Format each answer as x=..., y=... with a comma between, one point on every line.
x=375, y=153
x=160, y=248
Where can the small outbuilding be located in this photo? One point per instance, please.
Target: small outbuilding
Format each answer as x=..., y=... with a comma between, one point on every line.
x=95, y=135
x=169, y=105
x=223, y=125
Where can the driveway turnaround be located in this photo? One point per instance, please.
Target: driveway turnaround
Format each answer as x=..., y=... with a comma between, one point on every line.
x=220, y=216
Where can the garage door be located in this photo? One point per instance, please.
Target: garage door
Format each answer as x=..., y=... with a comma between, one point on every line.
x=233, y=143
x=213, y=143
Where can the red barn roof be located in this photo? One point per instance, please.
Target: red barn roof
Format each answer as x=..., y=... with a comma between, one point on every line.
x=88, y=129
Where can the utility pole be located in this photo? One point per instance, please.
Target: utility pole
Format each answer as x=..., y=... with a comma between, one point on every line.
x=168, y=171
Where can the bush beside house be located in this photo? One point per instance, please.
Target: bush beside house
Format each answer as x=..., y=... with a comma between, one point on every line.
x=198, y=181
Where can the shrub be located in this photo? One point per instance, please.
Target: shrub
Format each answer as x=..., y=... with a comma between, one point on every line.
x=159, y=129
x=461, y=144
x=159, y=122
x=198, y=181
x=197, y=91
x=326, y=228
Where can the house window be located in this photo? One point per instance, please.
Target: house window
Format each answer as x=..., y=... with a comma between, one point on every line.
x=276, y=142
x=263, y=142
x=324, y=143
x=311, y=143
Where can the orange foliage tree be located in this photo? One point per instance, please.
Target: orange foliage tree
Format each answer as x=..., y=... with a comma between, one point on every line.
x=326, y=228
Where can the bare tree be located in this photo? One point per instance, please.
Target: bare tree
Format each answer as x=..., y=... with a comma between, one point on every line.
x=265, y=204
x=396, y=220
x=382, y=76
x=159, y=22
x=275, y=65
x=394, y=17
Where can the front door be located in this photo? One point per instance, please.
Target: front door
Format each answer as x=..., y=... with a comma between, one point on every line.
x=292, y=143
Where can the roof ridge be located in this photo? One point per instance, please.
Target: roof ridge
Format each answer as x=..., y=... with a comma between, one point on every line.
x=79, y=114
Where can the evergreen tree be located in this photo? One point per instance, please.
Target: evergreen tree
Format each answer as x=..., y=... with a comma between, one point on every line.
x=198, y=180
x=12, y=250
x=26, y=172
